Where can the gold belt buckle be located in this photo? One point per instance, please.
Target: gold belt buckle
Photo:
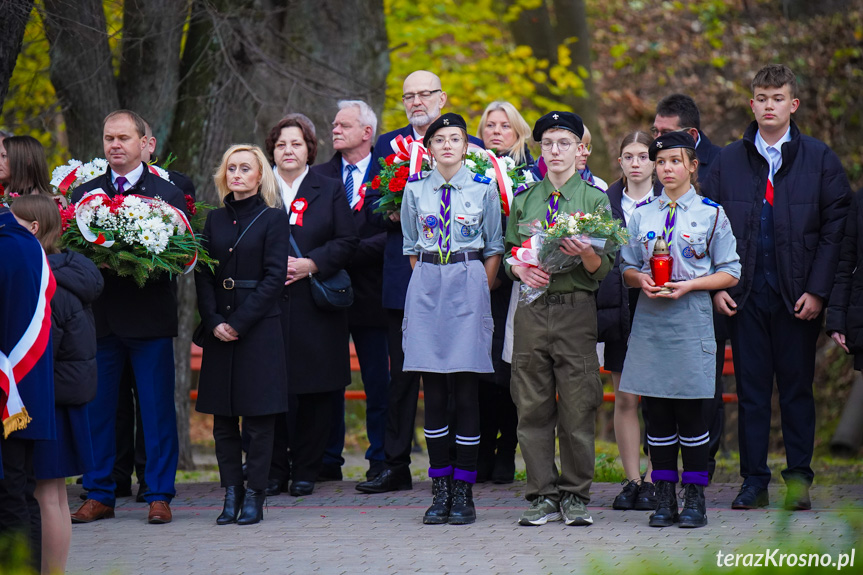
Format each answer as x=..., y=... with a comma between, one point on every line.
x=228, y=283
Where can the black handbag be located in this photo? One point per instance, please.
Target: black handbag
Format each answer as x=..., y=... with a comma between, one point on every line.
x=199, y=336
x=333, y=294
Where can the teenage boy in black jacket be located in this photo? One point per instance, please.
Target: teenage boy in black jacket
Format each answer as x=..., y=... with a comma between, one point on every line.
x=786, y=196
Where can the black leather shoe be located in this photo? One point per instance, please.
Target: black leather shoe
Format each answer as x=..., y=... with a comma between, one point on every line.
x=301, y=488
x=797, y=496
x=438, y=513
x=234, y=497
x=329, y=472
x=750, y=497
x=375, y=469
x=646, y=499
x=694, y=512
x=388, y=480
x=625, y=500
x=142, y=491
x=462, y=511
x=666, y=513
x=275, y=487
x=253, y=507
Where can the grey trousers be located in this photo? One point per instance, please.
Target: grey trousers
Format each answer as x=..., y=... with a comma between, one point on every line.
x=554, y=354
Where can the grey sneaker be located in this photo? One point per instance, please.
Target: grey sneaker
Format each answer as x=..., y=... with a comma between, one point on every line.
x=542, y=510
x=574, y=511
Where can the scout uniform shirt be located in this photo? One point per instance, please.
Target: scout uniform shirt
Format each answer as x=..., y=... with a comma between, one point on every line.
x=532, y=204
x=697, y=222
x=474, y=214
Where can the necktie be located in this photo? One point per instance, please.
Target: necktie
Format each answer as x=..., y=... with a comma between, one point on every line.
x=775, y=156
x=669, y=222
x=443, y=240
x=121, y=182
x=553, y=202
x=349, y=183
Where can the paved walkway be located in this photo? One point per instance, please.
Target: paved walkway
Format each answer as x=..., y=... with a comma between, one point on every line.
x=338, y=530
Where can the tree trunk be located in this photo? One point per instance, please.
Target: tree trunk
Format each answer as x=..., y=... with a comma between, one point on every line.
x=182, y=367
x=81, y=71
x=324, y=51
x=533, y=28
x=150, y=66
x=14, y=15
x=573, y=30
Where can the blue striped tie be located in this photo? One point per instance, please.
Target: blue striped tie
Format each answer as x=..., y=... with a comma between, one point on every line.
x=349, y=183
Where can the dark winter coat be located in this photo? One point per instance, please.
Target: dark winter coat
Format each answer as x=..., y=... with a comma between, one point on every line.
x=612, y=297
x=811, y=198
x=124, y=309
x=845, y=312
x=319, y=356
x=367, y=266
x=247, y=376
x=73, y=328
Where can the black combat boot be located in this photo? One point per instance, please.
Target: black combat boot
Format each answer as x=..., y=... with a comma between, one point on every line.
x=694, y=512
x=234, y=496
x=462, y=511
x=666, y=505
x=438, y=513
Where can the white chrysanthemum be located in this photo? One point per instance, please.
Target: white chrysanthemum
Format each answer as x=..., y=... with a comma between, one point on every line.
x=103, y=216
x=508, y=162
x=100, y=164
x=528, y=176
x=470, y=163
x=60, y=172
x=489, y=173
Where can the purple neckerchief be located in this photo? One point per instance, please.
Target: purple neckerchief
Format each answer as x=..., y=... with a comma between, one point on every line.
x=587, y=175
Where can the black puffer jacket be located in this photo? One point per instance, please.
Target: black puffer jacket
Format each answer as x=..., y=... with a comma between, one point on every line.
x=845, y=312
x=73, y=329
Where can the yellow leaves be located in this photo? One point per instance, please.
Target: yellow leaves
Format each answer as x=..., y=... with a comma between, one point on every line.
x=563, y=55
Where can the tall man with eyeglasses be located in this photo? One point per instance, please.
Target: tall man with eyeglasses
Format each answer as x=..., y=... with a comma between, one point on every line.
x=554, y=345
x=675, y=113
x=423, y=98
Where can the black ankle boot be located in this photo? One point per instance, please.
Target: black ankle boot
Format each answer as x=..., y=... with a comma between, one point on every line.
x=438, y=513
x=666, y=505
x=234, y=496
x=462, y=511
x=694, y=512
x=253, y=507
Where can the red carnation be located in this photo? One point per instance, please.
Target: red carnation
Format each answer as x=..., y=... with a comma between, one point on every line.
x=391, y=159
x=402, y=172
x=397, y=184
x=116, y=202
x=376, y=182
x=190, y=205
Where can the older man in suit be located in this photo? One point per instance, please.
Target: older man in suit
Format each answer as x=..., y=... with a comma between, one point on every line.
x=136, y=325
x=353, y=134
x=423, y=98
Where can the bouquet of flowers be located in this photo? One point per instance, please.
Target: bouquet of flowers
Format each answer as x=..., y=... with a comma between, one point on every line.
x=542, y=248
x=510, y=178
x=132, y=235
x=408, y=157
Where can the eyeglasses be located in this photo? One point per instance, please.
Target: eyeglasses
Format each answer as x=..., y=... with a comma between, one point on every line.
x=562, y=145
x=587, y=147
x=425, y=96
x=629, y=158
x=439, y=141
x=656, y=132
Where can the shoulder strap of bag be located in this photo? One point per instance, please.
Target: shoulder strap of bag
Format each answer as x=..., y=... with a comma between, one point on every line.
x=231, y=251
x=296, y=247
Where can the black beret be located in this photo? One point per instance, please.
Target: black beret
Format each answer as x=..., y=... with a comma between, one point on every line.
x=448, y=120
x=558, y=120
x=670, y=141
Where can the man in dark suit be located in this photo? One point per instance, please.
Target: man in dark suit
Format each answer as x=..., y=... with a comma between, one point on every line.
x=131, y=452
x=353, y=134
x=674, y=113
x=423, y=98
x=136, y=325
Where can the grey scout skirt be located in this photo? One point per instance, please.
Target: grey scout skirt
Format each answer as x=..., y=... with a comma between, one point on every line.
x=448, y=326
x=672, y=348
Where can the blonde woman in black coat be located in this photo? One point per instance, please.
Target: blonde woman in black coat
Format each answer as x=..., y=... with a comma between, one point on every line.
x=243, y=373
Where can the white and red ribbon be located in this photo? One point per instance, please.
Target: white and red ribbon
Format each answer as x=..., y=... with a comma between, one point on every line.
x=298, y=206
x=528, y=254
x=406, y=149
x=25, y=354
x=504, y=182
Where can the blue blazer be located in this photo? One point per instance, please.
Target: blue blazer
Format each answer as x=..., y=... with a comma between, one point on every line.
x=397, y=266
